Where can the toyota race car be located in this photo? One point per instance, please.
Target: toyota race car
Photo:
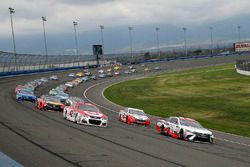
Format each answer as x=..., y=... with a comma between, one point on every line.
x=85, y=113
x=132, y=115
x=185, y=129
x=46, y=102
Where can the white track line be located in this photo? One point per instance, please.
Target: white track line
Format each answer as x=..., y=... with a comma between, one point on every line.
x=85, y=96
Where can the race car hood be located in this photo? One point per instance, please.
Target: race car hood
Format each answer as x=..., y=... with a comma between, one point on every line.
x=140, y=117
x=198, y=130
x=93, y=114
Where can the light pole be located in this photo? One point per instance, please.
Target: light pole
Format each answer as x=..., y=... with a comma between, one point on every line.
x=75, y=24
x=239, y=27
x=45, y=43
x=102, y=28
x=130, y=40
x=157, y=40
x=185, y=41
x=13, y=36
x=211, y=38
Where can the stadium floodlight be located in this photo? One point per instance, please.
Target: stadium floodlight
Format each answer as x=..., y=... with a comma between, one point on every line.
x=76, y=42
x=102, y=28
x=130, y=40
x=157, y=40
x=45, y=42
x=211, y=38
x=185, y=40
x=13, y=36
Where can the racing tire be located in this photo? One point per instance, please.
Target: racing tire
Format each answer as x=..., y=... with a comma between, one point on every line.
x=181, y=135
x=75, y=120
x=65, y=115
x=162, y=129
x=19, y=99
x=119, y=119
x=128, y=121
x=211, y=140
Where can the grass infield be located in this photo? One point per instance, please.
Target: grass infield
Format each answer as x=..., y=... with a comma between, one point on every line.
x=217, y=97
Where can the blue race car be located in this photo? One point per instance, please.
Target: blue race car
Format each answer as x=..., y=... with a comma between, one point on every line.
x=62, y=97
x=26, y=95
x=85, y=78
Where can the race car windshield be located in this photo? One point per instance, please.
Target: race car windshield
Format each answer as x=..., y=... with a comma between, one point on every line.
x=190, y=123
x=88, y=108
x=136, y=112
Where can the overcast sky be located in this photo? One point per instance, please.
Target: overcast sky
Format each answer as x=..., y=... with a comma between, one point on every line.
x=91, y=13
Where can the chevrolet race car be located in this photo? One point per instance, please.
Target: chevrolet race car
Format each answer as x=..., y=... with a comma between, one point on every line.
x=46, y=102
x=85, y=113
x=54, y=77
x=132, y=115
x=185, y=129
x=25, y=95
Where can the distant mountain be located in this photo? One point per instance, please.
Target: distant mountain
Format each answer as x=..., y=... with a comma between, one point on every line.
x=116, y=39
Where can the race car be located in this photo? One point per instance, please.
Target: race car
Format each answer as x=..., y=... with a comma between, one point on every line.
x=71, y=100
x=69, y=84
x=157, y=68
x=185, y=129
x=94, y=77
x=85, y=78
x=146, y=69
x=85, y=113
x=62, y=96
x=22, y=87
x=72, y=75
x=102, y=75
x=54, y=77
x=25, y=95
x=44, y=80
x=46, y=102
x=80, y=74
x=132, y=115
x=117, y=73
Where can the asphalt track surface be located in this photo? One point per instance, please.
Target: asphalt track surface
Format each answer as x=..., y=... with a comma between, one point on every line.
x=37, y=138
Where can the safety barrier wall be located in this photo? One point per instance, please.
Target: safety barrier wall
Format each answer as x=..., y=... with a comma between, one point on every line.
x=30, y=64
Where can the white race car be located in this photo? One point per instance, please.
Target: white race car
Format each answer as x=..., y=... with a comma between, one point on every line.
x=85, y=113
x=185, y=129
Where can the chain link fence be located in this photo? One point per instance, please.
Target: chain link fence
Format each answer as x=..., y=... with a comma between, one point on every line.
x=243, y=65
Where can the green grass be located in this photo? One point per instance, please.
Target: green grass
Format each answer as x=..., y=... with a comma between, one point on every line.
x=217, y=97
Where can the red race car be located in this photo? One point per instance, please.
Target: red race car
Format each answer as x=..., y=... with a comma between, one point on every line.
x=132, y=115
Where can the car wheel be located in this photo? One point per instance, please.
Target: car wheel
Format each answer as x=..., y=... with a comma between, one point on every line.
x=76, y=119
x=181, y=135
x=162, y=128
x=65, y=114
x=120, y=119
x=211, y=140
x=19, y=99
x=128, y=121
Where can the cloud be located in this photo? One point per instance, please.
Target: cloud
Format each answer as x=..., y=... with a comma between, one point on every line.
x=91, y=13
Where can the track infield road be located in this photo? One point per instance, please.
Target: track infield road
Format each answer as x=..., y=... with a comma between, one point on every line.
x=36, y=138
